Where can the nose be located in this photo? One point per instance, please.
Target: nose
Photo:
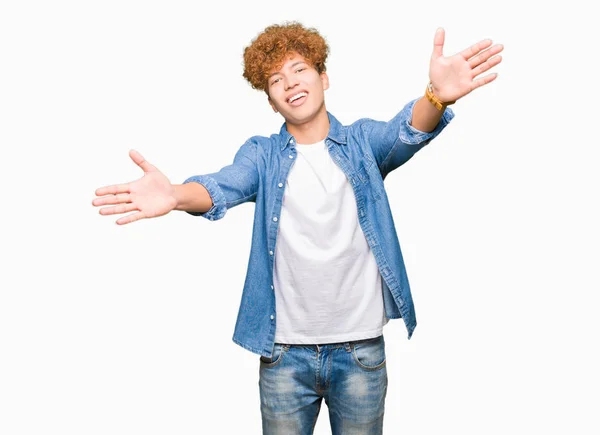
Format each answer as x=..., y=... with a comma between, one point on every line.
x=291, y=82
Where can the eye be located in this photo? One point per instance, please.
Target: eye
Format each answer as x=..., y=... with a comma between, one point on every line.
x=300, y=69
x=275, y=81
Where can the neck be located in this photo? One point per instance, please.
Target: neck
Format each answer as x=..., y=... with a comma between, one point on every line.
x=312, y=131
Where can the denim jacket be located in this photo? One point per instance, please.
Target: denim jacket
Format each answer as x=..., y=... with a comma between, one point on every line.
x=366, y=151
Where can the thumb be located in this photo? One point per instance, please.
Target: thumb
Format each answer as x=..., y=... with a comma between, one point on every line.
x=141, y=162
x=438, y=42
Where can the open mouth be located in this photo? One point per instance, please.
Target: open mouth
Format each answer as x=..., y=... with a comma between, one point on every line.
x=298, y=99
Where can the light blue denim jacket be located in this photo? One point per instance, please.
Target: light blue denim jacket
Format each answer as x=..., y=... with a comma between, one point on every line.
x=366, y=151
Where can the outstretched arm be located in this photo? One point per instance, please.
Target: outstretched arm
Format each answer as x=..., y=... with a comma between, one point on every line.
x=454, y=77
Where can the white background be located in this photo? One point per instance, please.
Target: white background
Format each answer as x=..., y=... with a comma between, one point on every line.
x=108, y=329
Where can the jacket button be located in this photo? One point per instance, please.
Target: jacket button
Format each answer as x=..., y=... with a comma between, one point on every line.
x=275, y=219
x=270, y=252
x=280, y=184
x=272, y=316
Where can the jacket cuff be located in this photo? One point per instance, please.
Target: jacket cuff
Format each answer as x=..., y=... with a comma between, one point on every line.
x=411, y=136
x=219, y=207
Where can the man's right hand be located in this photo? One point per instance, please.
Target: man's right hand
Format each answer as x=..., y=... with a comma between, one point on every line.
x=152, y=195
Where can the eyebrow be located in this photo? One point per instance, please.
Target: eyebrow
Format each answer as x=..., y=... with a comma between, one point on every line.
x=291, y=66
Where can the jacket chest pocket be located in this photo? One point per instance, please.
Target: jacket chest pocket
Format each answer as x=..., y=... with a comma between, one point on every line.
x=370, y=178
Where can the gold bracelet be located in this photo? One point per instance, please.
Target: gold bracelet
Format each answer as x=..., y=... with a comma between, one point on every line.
x=439, y=105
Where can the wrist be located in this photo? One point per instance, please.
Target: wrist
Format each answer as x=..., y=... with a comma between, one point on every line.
x=179, y=196
x=434, y=99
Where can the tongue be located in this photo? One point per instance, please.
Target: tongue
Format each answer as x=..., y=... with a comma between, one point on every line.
x=298, y=101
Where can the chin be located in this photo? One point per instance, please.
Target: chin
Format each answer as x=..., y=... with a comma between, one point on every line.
x=304, y=115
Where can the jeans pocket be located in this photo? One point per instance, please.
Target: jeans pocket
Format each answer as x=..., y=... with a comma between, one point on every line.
x=278, y=351
x=369, y=354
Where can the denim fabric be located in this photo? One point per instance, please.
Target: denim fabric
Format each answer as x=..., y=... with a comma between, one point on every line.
x=366, y=151
x=351, y=377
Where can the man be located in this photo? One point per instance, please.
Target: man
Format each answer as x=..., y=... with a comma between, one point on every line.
x=326, y=271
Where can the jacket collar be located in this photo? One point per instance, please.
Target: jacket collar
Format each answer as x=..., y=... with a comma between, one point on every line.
x=337, y=133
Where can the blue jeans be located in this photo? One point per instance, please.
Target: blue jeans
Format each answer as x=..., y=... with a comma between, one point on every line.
x=351, y=377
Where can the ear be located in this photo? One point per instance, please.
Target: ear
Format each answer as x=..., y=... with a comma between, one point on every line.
x=325, y=80
x=271, y=103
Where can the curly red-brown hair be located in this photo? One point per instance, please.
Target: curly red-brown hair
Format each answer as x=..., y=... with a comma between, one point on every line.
x=270, y=48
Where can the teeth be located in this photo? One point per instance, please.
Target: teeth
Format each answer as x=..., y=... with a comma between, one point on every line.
x=295, y=97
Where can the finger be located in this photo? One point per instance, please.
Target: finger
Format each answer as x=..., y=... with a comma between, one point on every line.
x=485, y=55
x=130, y=218
x=438, y=42
x=140, y=161
x=113, y=190
x=487, y=65
x=475, y=48
x=483, y=81
x=123, y=208
x=112, y=199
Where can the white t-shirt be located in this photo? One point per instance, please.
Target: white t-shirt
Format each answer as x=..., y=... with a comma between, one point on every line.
x=327, y=285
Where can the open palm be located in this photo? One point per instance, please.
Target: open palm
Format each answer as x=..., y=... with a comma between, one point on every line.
x=455, y=76
x=152, y=195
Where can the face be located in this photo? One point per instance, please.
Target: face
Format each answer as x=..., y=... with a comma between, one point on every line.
x=297, y=90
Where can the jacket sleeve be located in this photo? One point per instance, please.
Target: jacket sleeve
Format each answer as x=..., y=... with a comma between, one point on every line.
x=231, y=185
x=394, y=142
